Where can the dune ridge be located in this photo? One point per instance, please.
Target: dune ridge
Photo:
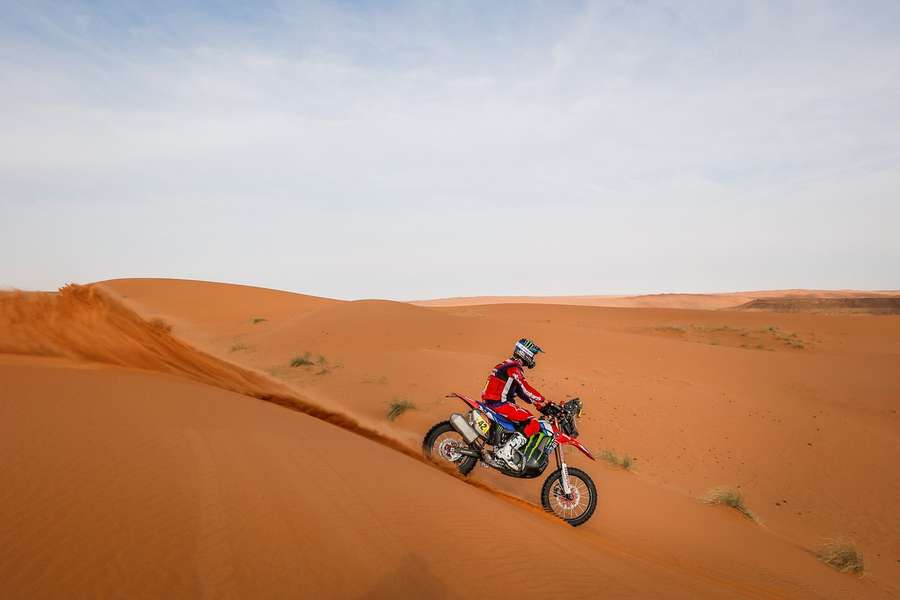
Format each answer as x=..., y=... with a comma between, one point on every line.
x=777, y=299
x=85, y=323
x=877, y=305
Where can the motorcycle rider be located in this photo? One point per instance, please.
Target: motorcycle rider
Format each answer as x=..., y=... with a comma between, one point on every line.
x=506, y=381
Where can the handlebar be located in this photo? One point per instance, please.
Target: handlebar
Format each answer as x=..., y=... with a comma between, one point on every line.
x=551, y=409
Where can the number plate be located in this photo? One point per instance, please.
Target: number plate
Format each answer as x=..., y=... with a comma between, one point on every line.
x=481, y=424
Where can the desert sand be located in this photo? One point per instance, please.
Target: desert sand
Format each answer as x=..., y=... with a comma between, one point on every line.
x=160, y=443
x=728, y=300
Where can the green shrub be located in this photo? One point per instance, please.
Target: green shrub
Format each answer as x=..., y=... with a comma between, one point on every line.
x=624, y=461
x=609, y=456
x=398, y=407
x=302, y=361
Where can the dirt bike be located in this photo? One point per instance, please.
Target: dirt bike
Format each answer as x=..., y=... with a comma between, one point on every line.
x=464, y=440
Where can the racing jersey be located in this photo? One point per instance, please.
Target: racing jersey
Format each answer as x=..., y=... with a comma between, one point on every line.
x=506, y=382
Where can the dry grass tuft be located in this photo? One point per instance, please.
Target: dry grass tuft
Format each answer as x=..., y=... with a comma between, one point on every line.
x=237, y=347
x=257, y=320
x=609, y=456
x=302, y=361
x=398, y=407
x=324, y=367
x=841, y=555
x=729, y=497
x=306, y=360
x=624, y=461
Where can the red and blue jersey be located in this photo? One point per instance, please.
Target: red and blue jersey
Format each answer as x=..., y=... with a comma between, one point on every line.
x=506, y=382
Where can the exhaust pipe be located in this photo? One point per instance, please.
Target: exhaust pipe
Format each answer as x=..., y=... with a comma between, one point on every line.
x=462, y=427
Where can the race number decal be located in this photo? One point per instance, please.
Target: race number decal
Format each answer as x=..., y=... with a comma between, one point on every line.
x=481, y=424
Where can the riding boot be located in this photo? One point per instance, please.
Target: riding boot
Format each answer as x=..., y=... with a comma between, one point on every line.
x=506, y=451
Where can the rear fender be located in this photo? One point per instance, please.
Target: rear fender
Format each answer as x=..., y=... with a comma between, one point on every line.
x=470, y=402
x=490, y=414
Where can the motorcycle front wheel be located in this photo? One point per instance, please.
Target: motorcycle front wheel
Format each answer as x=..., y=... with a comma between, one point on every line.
x=442, y=442
x=578, y=507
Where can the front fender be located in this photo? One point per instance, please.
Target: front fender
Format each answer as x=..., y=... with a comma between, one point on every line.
x=562, y=438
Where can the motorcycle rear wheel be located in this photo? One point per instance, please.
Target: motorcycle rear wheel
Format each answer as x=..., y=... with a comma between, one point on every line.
x=440, y=443
x=577, y=509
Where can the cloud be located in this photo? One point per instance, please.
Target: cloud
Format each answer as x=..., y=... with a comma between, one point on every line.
x=680, y=146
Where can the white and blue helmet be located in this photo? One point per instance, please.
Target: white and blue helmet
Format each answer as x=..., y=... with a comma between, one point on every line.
x=526, y=351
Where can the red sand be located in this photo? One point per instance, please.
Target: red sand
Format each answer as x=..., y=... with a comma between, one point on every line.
x=140, y=483
x=690, y=301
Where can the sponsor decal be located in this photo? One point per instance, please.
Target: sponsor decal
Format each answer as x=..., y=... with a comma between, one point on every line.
x=533, y=444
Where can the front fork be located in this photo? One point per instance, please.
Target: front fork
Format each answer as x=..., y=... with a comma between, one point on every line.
x=564, y=471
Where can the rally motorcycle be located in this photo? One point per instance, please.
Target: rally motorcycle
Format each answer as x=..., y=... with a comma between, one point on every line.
x=466, y=440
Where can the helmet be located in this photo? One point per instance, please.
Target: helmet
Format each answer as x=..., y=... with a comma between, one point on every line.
x=526, y=351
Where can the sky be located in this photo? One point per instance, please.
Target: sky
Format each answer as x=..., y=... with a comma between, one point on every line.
x=412, y=150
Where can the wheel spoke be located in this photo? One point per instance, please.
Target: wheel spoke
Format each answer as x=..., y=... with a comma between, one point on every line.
x=447, y=446
x=576, y=505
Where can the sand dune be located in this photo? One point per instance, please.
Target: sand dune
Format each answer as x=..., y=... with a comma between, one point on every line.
x=85, y=323
x=701, y=398
x=879, y=305
x=140, y=485
x=198, y=308
x=726, y=300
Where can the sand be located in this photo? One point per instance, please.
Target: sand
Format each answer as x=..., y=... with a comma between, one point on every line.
x=728, y=300
x=178, y=479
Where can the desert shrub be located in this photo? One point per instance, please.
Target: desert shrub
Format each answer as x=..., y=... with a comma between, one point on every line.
x=324, y=367
x=238, y=347
x=398, y=407
x=257, y=320
x=841, y=555
x=302, y=361
x=624, y=461
x=609, y=456
x=729, y=497
x=723, y=328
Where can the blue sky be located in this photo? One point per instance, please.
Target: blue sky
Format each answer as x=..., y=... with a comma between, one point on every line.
x=424, y=149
